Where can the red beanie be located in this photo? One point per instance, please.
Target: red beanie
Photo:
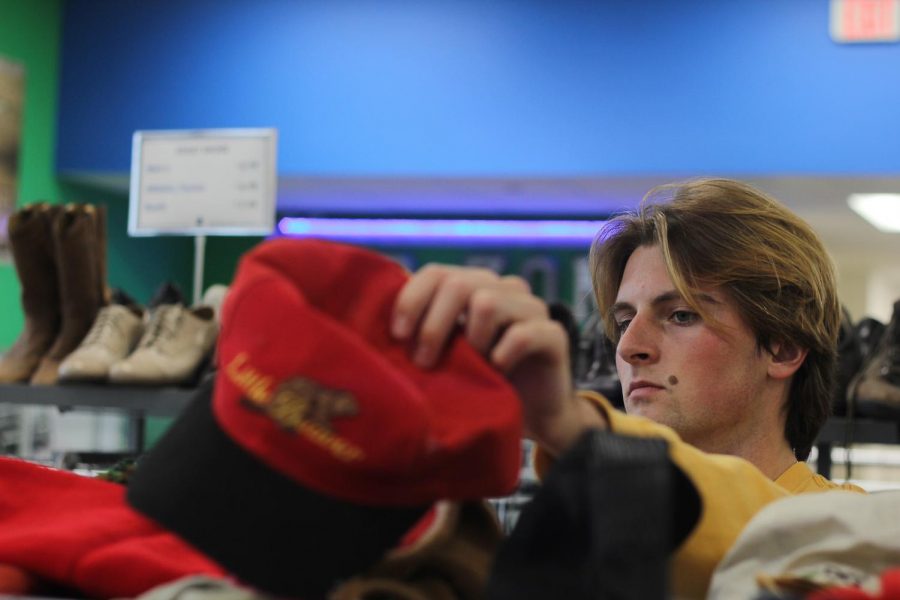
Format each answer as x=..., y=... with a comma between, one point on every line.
x=79, y=533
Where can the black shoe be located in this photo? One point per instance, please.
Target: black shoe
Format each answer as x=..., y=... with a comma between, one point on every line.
x=850, y=360
x=869, y=332
x=875, y=391
x=596, y=369
x=120, y=296
x=562, y=314
x=167, y=293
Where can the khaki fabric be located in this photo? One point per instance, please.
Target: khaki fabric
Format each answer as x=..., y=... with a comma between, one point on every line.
x=833, y=538
x=201, y=587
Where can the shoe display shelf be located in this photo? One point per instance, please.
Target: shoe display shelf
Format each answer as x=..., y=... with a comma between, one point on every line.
x=139, y=402
x=842, y=431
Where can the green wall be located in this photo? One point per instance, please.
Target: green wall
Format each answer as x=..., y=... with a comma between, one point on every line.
x=30, y=35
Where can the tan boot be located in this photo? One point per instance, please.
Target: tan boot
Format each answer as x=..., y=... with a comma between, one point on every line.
x=30, y=237
x=75, y=239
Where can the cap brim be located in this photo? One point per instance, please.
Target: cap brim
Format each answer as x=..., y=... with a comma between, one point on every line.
x=268, y=530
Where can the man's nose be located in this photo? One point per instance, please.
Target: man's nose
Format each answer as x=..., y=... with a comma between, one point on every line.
x=638, y=342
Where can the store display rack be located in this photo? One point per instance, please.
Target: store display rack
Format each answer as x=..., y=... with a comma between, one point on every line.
x=142, y=402
x=842, y=431
x=139, y=402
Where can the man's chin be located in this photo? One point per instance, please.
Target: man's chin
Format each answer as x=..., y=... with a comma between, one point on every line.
x=641, y=408
x=653, y=411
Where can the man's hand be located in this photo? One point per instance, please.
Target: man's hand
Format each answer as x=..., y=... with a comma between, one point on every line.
x=509, y=325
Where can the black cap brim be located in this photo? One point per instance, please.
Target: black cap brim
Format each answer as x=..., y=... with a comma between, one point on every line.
x=263, y=527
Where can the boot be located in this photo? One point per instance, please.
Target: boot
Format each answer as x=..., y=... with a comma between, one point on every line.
x=869, y=331
x=75, y=240
x=31, y=241
x=112, y=337
x=105, y=292
x=175, y=343
x=850, y=360
x=596, y=369
x=875, y=391
x=166, y=293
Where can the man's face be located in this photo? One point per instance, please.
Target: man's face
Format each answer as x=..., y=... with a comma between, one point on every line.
x=675, y=369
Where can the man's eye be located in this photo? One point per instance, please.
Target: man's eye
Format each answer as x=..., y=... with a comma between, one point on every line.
x=684, y=317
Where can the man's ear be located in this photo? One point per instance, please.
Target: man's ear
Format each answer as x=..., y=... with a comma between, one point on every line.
x=785, y=358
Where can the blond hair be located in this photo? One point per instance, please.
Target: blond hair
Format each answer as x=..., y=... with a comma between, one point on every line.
x=724, y=233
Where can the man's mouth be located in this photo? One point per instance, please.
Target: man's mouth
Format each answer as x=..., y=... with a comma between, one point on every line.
x=640, y=388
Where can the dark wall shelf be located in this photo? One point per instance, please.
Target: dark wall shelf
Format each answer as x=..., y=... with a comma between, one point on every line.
x=138, y=402
x=841, y=431
x=145, y=401
x=170, y=401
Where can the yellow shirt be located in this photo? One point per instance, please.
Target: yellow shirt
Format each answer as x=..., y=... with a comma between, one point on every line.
x=732, y=491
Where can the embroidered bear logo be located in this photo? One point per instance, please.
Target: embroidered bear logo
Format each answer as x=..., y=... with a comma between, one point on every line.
x=302, y=400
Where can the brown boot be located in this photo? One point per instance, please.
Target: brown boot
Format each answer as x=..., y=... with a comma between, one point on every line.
x=75, y=238
x=31, y=240
x=105, y=292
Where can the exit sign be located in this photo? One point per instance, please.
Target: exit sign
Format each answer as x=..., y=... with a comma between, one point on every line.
x=854, y=21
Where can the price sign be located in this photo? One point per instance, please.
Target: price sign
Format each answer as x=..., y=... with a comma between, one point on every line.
x=203, y=182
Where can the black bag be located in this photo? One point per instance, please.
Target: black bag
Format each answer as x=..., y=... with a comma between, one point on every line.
x=603, y=524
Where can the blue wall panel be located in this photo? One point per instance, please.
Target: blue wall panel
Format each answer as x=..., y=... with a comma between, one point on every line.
x=485, y=88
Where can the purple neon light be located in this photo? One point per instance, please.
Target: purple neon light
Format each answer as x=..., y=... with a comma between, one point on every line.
x=443, y=231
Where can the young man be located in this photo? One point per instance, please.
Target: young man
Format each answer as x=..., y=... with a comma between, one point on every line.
x=724, y=309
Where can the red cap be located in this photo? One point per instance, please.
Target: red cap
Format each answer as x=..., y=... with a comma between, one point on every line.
x=320, y=438
x=312, y=383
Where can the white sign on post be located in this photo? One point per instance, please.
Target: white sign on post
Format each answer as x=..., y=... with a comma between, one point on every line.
x=203, y=182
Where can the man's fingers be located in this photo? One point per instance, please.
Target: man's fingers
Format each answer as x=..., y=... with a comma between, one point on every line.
x=414, y=298
x=491, y=310
x=441, y=317
x=527, y=339
x=504, y=321
x=515, y=283
x=434, y=302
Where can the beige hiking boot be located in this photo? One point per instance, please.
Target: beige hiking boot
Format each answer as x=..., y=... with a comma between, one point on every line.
x=112, y=337
x=175, y=343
